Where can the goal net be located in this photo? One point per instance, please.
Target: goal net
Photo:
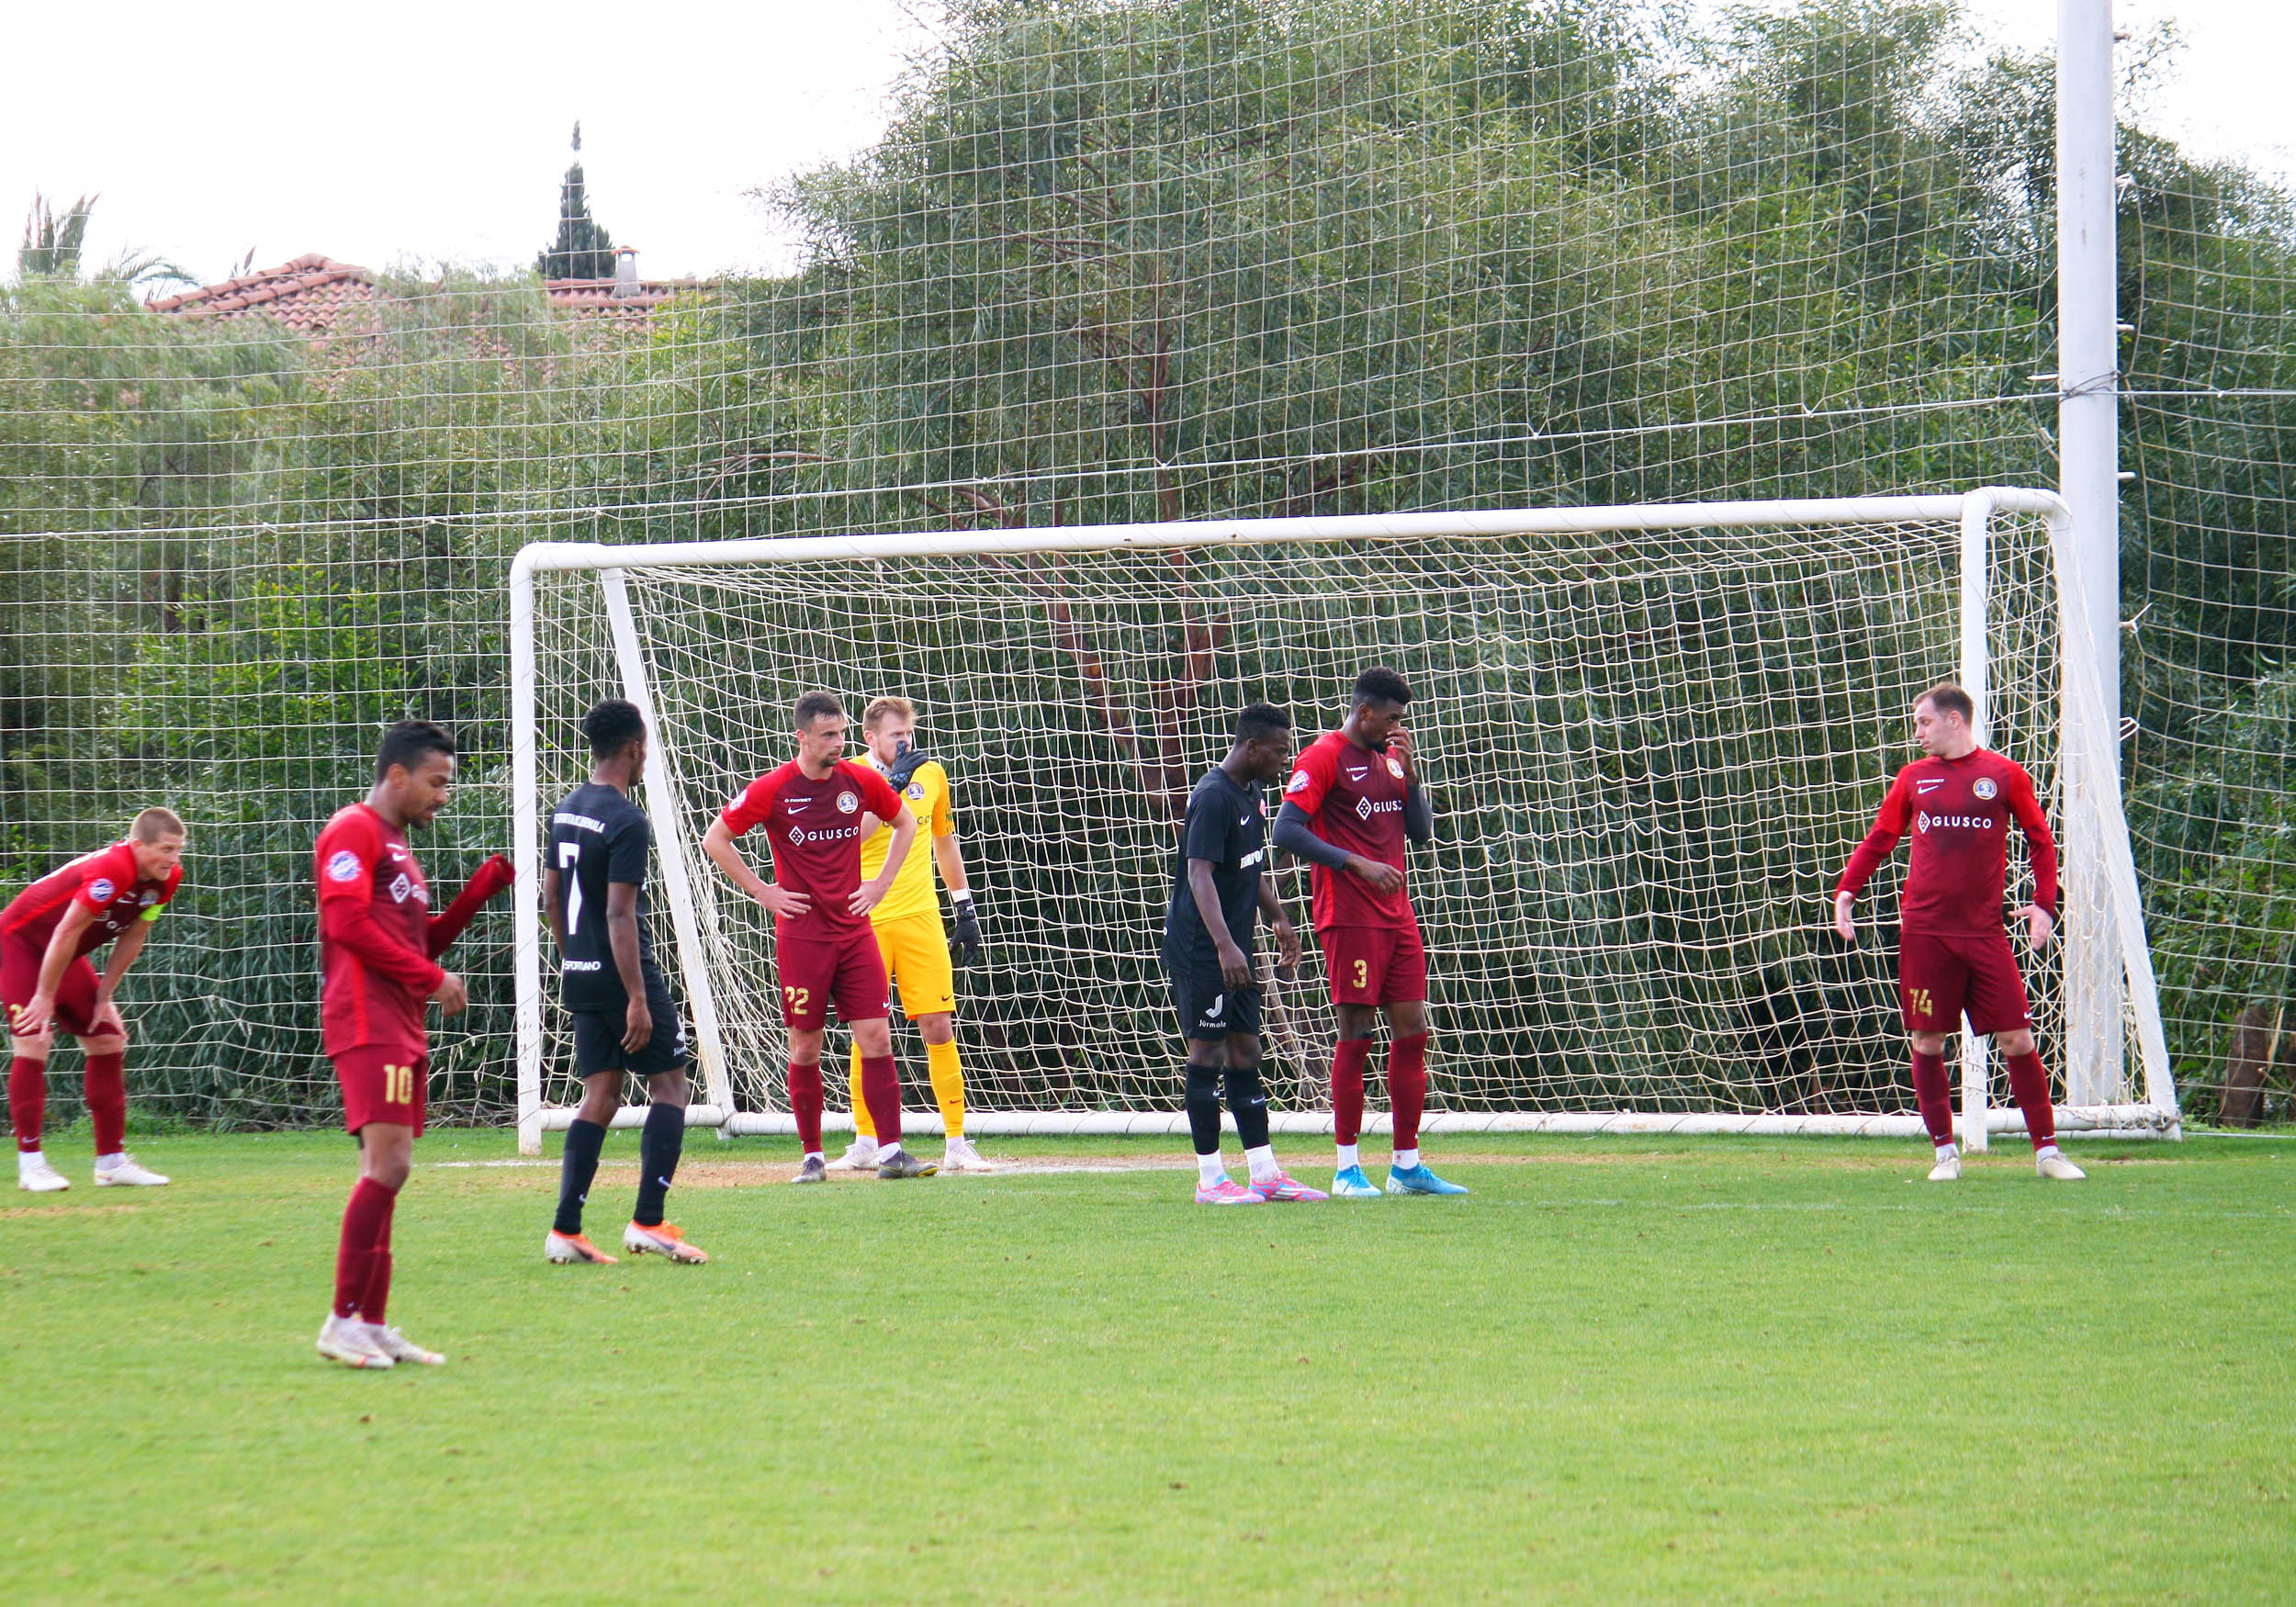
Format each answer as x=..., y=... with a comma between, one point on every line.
x=1653, y=735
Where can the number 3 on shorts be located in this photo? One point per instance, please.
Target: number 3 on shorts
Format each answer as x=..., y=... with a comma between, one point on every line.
x=1363, y=973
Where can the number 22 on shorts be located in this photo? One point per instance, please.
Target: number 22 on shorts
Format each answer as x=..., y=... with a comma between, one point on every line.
x=798, y=999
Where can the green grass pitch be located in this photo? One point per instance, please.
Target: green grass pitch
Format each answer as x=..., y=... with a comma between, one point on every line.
x=1621, y=1370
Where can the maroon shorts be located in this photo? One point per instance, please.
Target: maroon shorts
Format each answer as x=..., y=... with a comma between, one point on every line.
x=76, y=995
x=1375, y=965
x=848, y=970
x=382, y=1083
x=1941, y=977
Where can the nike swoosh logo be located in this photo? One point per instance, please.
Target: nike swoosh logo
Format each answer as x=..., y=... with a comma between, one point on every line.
x=795, y=808
x=1926, y=787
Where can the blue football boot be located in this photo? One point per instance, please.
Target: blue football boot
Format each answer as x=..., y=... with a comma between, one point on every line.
x=1349, y=1182
x=1418, y=1180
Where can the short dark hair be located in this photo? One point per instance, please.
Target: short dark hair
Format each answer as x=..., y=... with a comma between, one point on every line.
x=817, y=706
x=611, y=727
x=1379, y=684
x=1258, y=720
x=151, y=825
x=1948, y=699
x=408, y=743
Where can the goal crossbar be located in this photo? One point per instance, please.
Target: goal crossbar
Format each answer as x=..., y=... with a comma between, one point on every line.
x=2111, y=973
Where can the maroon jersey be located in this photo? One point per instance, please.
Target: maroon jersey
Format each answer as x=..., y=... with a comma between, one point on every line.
x=1354, y=798
x=1959, y=811
x=814, y=828
x=374, y=926
x=106, y=883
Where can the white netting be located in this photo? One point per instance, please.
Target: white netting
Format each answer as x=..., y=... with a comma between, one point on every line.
x=1136, y=260
x=1650, y=751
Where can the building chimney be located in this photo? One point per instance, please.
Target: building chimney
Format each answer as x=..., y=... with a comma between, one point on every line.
x=626, y=283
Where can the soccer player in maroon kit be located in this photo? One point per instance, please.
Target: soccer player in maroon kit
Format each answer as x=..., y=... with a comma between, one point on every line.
x=1953, y=952
x=816, y=810
x=1352, y=801
x=46, y=935
x=379, y=946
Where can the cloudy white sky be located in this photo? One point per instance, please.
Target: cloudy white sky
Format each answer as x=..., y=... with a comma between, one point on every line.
x=436, y=131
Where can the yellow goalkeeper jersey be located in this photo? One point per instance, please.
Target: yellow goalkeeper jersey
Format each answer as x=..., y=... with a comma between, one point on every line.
x=913, y=894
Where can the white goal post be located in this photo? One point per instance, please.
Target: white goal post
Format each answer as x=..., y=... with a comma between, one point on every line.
x=1652, y=734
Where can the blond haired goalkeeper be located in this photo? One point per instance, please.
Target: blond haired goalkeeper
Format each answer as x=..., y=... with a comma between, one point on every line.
x=917, y=952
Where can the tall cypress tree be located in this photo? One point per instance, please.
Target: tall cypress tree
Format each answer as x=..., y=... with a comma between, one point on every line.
x=583, y=249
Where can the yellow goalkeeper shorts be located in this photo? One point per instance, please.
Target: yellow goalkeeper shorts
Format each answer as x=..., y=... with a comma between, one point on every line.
x=916, y=950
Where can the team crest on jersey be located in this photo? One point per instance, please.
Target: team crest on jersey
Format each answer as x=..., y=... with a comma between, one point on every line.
x=847, y=802
x=1394, y=767
x=1299, y=782
x=1985, y=787
x=101, y=890
x=149, y=899
x=399, y=888
x=917, y=791
x=1363, y=809
x=344, y=867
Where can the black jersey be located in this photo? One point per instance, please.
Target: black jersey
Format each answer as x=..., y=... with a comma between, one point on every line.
x=598, y=836
x=1227, y=824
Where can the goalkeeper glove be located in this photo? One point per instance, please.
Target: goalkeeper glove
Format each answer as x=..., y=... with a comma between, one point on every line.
x=907, y=761
x=964, y=942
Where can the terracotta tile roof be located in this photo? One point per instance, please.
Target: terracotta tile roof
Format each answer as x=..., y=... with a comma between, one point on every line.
x=595, y=298
x=317, y=297
x=313, y=294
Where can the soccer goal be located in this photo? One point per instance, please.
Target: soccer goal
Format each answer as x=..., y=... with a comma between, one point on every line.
x=1652, y=734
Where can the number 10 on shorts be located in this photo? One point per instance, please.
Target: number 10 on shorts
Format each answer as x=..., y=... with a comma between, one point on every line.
x=398, y=1085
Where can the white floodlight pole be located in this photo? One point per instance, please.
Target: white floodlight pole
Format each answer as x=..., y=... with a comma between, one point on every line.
x=2089, y=446
x=1977, y=660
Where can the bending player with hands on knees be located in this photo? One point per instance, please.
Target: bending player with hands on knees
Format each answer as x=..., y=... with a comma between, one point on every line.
x=380, y=945
x=1353, y=799
x=46, y=935
x=816, y=810
x=1953, y=955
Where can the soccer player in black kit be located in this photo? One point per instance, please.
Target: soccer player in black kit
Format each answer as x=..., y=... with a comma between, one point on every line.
x=624, y=1020
x=1219, y=891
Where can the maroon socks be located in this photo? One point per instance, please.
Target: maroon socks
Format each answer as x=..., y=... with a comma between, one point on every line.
x=2029, y=1085
x=1406, y=1088
x=107, y=1101
x=365, y=1233
x=881, y=1089
x=1348, y=1061
x=27, y=1101
x=1935, y=1097
x=804, y=1103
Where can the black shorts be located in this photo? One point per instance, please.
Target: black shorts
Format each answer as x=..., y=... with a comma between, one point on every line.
x=1207, y=1007
x=598, y=1039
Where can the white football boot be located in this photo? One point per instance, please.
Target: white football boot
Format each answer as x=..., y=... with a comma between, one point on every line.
x=127, y=1172
x=2057, y=1167
x=960, y=1156
x=35, y=1175
x=344, y=1340
x=861, y=1155
x=1948, y=1170
x=399, y=1347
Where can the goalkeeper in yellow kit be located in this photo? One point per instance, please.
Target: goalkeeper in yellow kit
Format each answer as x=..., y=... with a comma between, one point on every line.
x=918, y=954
